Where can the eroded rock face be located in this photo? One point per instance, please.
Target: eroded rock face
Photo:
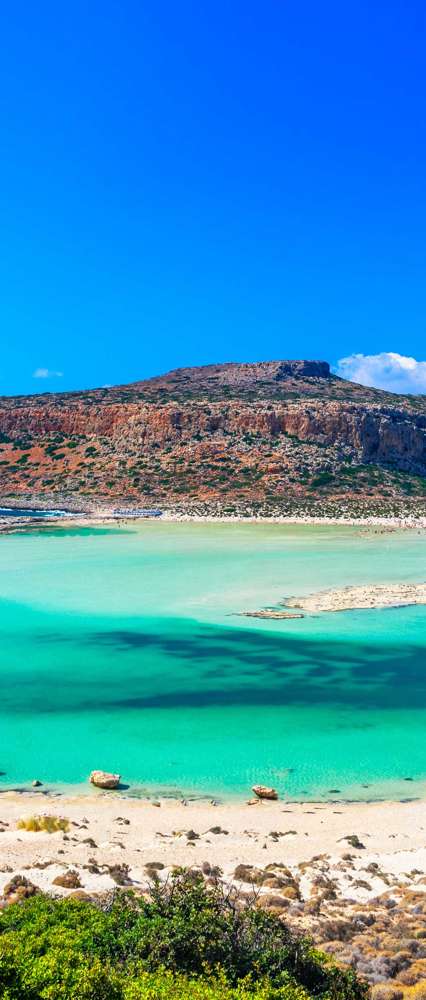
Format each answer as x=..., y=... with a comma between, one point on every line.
x=303, y=369
x=391, y=436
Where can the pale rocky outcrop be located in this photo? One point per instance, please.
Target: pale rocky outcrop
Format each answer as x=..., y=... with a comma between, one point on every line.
x=104, y=779
x=386, y=595
x=264, y=792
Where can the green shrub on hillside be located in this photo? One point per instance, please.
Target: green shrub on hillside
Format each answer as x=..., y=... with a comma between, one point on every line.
x=165, y=985
x=186, y=944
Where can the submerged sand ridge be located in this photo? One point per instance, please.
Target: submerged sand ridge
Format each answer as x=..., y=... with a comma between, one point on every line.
x=364, y=597
x=383, y=595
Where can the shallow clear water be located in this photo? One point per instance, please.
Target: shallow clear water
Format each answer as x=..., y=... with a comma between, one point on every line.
x=120, y=650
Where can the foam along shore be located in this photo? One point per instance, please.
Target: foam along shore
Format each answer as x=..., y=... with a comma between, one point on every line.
x=383, y=595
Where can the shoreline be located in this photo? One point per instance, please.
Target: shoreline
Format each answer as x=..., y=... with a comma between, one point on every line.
x=95, y=511
x=390, y=791
x=11, y=525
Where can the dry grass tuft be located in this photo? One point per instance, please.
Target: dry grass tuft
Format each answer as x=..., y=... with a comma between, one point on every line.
x=385, y=991
x=418, y=992
x=45, y=824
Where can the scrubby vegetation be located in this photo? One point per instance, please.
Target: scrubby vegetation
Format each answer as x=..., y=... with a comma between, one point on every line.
x=186, y=943
x=47, y=824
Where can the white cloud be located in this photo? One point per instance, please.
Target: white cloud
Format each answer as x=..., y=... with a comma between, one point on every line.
x=387, y=370
x=46, y=373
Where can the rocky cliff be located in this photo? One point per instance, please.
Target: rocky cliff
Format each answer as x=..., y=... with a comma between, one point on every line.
x=272, y=433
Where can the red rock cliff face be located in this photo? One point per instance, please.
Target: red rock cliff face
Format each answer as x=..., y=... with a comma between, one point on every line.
x=73, y=419
x=388, y=437
x=391, y=437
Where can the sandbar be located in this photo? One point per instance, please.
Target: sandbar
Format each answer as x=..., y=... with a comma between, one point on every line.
x=384, y=595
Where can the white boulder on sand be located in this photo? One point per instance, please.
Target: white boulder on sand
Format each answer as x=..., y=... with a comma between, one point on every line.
x=103, y=779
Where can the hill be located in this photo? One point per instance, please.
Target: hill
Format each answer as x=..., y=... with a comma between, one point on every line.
x=270, y=436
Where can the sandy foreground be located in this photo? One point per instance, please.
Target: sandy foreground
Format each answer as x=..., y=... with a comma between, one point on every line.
x=352, y=876
x=107, y=830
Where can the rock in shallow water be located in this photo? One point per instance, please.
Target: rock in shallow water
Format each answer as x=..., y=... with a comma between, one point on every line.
x=264, y=792
x=103, y=779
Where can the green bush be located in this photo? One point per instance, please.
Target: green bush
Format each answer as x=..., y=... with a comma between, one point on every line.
x=164, y=985
x=186, y=943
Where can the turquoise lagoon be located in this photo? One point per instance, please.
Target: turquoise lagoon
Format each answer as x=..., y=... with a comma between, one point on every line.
x=120, y=649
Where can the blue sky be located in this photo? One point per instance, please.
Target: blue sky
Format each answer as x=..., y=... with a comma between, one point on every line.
x=183, y=183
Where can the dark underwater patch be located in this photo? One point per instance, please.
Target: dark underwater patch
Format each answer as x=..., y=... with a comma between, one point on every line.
x=165, y=664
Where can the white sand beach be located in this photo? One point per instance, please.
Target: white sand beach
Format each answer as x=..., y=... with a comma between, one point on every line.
x=106, y=829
